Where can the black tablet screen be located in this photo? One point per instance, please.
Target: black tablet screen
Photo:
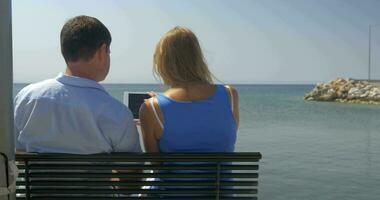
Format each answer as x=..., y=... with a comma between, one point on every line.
x=134, y=102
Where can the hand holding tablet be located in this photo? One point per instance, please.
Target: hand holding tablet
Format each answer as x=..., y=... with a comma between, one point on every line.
x=134, y=100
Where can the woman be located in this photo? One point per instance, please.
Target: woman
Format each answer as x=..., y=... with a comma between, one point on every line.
x=193, y=115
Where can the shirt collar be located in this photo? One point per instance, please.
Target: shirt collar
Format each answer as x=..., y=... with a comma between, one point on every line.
x=78, y=81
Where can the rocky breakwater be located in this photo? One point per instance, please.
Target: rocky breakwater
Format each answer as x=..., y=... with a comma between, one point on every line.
x=345, y=90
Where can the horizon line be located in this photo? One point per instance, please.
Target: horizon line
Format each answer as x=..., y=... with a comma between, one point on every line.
x=232, y=83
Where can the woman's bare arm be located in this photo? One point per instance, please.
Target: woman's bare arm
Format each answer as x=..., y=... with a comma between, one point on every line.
x=149, y=128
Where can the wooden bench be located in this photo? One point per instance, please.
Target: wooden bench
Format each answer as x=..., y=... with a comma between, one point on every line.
x=176, y=176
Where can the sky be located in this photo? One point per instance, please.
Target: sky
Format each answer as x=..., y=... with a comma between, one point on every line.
x=244, y=41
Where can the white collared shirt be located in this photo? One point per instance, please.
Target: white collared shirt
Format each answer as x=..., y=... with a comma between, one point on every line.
x=70, y=114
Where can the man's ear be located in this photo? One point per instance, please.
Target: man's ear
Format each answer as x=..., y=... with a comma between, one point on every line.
x=102, y=51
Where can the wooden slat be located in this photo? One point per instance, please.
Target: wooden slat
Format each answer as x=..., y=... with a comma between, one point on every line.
x=136, y=183
x=137, y=198
x=57, y=191
x=50, y=167
x=52, y=175
x=141, y=157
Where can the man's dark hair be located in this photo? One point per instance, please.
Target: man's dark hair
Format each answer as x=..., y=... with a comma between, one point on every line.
x=82, y=36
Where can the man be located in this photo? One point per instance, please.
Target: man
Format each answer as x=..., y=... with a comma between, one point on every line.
x=73, y=113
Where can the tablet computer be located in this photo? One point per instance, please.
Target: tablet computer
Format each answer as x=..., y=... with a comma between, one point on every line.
x=134, y=100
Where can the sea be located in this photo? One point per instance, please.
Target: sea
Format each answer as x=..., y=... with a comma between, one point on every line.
x=311, y=150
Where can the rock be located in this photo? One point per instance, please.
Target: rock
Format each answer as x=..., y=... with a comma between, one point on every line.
x=345, y=90
x=365, y=94
x=368, y=87
x=355, y=93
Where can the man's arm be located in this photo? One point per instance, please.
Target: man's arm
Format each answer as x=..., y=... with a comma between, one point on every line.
x=117, y=125
x=121, y=129
x=130, y=140
x=16, y=124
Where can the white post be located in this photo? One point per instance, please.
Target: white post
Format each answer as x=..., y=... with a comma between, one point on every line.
x=6, y=85
x=369, y=51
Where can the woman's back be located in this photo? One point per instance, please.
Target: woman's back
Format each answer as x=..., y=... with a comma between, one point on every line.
x=195, y=122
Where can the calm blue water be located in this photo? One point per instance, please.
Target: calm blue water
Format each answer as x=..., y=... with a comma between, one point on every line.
x=311, y=150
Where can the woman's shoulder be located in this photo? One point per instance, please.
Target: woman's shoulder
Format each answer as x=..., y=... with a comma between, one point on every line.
x=232, y=90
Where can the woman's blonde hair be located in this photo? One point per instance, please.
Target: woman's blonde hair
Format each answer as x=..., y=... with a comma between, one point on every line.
x=178, y=58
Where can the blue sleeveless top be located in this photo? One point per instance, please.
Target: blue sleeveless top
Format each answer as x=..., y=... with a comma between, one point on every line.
x=206, y=125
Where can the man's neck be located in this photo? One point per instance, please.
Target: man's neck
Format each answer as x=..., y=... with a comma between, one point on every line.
x=70, y=72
